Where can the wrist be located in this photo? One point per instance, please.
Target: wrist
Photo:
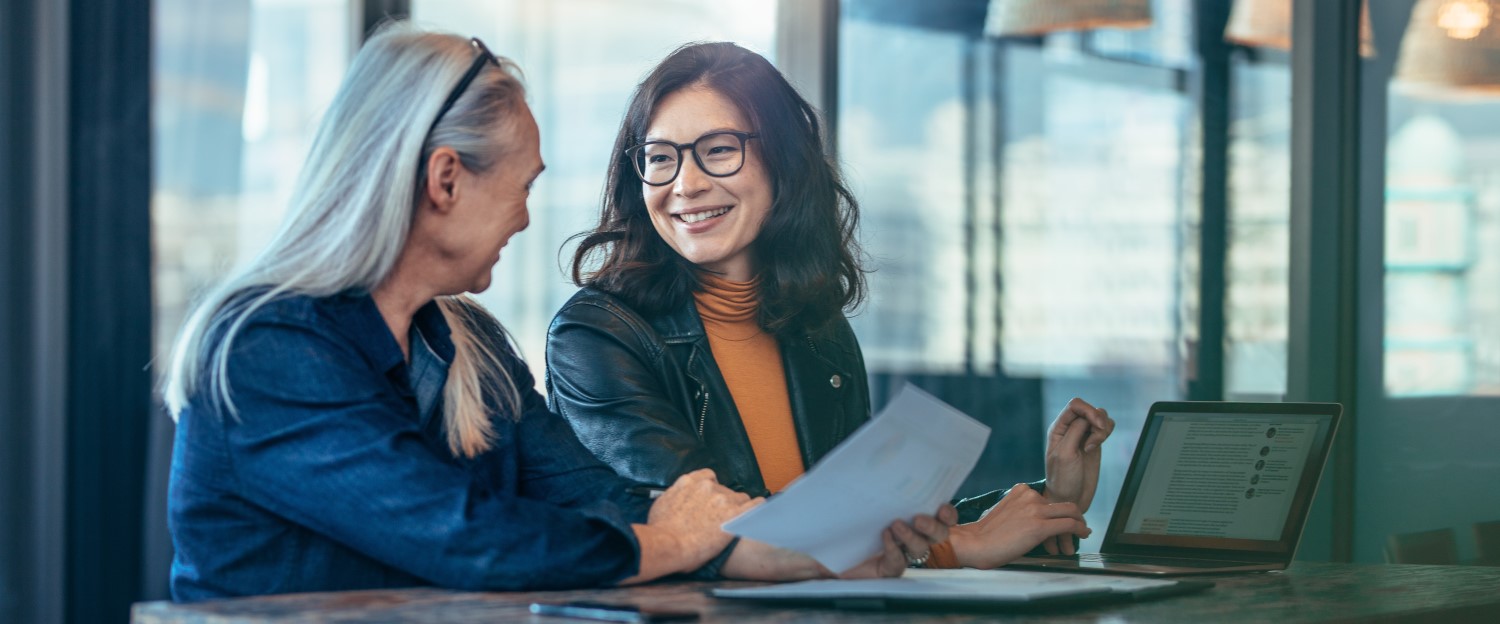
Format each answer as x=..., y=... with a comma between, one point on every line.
x=1083, y=505
x=961, y=538
x=758, y=561
x=662, y=552
x=1051, y=495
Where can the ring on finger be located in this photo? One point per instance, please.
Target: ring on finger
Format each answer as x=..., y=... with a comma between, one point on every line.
x=917, y=562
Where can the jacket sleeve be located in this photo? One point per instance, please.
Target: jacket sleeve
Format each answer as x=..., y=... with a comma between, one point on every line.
x=319, y=442
x=971, y=508
x=602, y=376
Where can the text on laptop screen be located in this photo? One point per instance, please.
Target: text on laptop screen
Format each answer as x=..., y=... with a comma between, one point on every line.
x=1217, y=475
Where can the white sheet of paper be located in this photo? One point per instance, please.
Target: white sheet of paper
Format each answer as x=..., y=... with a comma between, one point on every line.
x=906, y=461
x=966, y=584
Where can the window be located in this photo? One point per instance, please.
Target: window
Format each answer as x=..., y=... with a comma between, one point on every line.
x=1260, y=190
x=1442, y=246
x=1426, y=410
x=1030, y=209
x=238, y=91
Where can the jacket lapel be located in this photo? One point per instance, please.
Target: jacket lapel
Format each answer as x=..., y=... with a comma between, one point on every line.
x=816, y=388
x=715, y=416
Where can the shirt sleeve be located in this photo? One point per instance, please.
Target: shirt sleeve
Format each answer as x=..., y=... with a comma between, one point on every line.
x=320, y=439
x=557, y=468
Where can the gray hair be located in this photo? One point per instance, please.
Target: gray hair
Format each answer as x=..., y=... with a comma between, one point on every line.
x=351, y=213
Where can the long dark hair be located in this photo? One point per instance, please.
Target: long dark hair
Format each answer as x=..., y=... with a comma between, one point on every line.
x=806, y=250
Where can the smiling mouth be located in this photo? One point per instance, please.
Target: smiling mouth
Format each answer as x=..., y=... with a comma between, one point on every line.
x=695, y=217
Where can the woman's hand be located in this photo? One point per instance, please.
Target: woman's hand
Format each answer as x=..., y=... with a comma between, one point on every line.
x=682, y=530
x=1015, y=525
x=1073, y=453
x=911, y=541
x=917, y=538
x=890, y=562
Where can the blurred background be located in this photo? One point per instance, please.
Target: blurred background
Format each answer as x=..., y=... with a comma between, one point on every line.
x=1124, y=201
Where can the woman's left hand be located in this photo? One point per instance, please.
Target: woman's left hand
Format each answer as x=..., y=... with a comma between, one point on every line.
x=917, y=538
x=889, y=563
x=1073, y=453
x=907, y=542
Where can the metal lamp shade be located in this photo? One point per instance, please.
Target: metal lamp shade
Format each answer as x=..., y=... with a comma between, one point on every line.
x=1036, y=17
x=1452, y=47
x=1268, y=24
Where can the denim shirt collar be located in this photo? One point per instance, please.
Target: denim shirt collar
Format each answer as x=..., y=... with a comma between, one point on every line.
x=434, y=327
x=430, y=342
x=428, y=373
x=361, y=319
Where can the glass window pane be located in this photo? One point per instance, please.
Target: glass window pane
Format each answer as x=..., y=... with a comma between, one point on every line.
x=905, y=158
x=1442, y=246
x=238, y=90
x=1260, y=188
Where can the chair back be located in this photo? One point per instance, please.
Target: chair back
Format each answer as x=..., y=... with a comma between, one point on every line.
x=1426, y=547
x=1487, y=541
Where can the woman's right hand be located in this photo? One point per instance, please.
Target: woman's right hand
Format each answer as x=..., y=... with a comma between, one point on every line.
x=695, y=508
x=1018, y=523
x=682, y=530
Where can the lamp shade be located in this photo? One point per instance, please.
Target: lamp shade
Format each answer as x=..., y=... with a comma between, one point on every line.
x=1268, y=24
x=1036, y=17
x=1451, y=47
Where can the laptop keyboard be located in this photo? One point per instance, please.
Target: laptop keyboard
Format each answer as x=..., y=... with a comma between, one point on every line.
x=1141, y=560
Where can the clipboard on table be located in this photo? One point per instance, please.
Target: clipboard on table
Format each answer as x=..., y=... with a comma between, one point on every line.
x=967, y=589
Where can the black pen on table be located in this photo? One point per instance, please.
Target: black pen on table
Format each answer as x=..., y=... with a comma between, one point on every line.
x=646, y=491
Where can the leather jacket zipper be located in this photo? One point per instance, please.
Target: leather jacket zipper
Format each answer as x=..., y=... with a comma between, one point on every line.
x=703, y=415
x=702, y=389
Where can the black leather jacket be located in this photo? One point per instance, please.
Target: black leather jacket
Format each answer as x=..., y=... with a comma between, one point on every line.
x=647, y=397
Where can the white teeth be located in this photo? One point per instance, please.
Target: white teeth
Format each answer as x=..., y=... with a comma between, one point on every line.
x=699, y=216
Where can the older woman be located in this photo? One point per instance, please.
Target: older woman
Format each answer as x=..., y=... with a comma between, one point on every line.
x=348, y=420
x=710, y=333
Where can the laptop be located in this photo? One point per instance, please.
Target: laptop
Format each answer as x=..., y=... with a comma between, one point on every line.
x=1213, y=488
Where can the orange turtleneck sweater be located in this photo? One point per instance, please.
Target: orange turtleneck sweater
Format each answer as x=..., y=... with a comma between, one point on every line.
x=750, y=360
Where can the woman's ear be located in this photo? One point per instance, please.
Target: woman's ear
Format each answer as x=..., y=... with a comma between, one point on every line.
x=442, y=174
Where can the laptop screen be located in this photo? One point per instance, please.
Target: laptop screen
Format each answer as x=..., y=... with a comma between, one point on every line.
x=1223, y=476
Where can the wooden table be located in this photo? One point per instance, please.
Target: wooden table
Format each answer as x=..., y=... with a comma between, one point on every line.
x=1308, y=592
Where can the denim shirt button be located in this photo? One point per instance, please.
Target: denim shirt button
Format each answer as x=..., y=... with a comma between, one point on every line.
x=836, y=381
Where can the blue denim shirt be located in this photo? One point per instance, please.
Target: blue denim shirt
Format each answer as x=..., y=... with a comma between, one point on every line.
x=336, y=474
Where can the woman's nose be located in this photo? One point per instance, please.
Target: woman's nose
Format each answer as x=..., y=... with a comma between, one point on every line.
x=691, y=180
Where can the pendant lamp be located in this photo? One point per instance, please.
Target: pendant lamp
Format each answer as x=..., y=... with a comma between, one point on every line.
x=1451, y=47
x=1037, y=17
x=1268, y=24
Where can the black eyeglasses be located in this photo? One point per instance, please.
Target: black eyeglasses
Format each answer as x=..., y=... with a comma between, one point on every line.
x=719, y=154
x=483, y=56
